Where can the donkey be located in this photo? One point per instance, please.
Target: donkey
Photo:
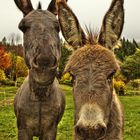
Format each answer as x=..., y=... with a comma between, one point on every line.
x=39, y=103
x=98, y=112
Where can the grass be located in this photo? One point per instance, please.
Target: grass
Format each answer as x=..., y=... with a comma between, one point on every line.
x=8, y=130
x=132, y=117
x=7, y=92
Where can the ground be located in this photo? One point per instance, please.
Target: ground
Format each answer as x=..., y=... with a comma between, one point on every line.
x=8, y=129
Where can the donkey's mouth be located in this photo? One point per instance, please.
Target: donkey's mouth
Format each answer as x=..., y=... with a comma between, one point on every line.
x=45, y=83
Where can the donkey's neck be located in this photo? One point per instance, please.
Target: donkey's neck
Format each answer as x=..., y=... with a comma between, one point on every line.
x=38, y=90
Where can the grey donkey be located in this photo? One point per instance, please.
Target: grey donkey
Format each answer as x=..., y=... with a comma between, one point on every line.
x=39, y=103
x=98, y=111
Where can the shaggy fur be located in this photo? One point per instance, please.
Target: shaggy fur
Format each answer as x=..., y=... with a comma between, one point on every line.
x=90, y=67
x=98, y=112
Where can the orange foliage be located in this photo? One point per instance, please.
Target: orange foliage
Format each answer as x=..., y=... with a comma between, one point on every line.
x=5, y=59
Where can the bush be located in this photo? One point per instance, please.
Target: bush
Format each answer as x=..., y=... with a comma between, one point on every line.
x=19, y=81
x=119, y=87
x=135, y=83
x=120, y=77
x=2, y=75
x=66, y=79
x=65, y=53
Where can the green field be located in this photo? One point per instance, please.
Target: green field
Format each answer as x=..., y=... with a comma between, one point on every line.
x=8, y=129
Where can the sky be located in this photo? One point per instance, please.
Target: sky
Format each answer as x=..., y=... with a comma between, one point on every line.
x=89, y=12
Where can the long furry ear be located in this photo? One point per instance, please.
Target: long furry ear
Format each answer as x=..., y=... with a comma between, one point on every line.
x=69, y=25
x=112, y=25
x=39, y=5
x=24, y=5
x=52, y=7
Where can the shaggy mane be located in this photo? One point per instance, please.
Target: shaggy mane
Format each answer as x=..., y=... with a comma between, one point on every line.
x=91, y=35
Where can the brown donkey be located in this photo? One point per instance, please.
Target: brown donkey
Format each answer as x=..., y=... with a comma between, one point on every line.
x=98, y=113
x=39, y=104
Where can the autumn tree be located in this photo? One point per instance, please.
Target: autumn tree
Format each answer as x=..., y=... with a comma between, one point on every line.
x=21, y=69
x=5, y=59
x=2, y=75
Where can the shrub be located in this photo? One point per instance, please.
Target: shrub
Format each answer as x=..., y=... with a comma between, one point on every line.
x=65, y=53
x=135, y=83
x=20, y=81
x=119, y=77
x=119, y=86
x=66, y=79
x=2, y=75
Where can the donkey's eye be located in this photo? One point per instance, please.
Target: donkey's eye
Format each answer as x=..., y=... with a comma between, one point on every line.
x=23, y=26
x=110, y=76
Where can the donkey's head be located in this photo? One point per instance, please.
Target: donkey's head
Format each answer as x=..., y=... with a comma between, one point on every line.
x=92, y=66
x=41, y=40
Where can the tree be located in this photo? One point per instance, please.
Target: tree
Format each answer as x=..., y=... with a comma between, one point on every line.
x=17, y=39
x=14, y=39
x=21, y=68
x=65, y=53
x=127, y=48
x=5, y=59
x=11, y=38
x=4, y=41
x=131, y=66
x=2, y=75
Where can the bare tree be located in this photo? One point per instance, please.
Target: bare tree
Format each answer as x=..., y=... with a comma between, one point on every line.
x=11, y=38
x=17, y=39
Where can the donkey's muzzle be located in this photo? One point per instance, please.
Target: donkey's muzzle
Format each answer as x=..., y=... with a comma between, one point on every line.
x=44, y=62
x=97, y=132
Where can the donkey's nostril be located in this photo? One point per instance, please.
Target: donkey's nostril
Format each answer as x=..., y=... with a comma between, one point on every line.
x=43, y=63
x=80, y=131
x=97, y=132
x=100, y=131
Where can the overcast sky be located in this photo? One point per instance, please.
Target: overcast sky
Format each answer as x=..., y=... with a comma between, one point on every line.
x=89, y=12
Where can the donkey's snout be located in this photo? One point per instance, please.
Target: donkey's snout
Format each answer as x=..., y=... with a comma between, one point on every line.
x=45, y=61
x=96, y=132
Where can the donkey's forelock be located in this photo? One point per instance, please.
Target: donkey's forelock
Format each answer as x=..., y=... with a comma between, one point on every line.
x=91, y=35
x=92, y=54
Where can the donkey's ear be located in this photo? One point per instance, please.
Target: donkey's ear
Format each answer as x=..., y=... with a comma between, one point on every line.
x=52, y=7
x=112, y=25
x=39, y=5
x=69, y=25
x=24, y=5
